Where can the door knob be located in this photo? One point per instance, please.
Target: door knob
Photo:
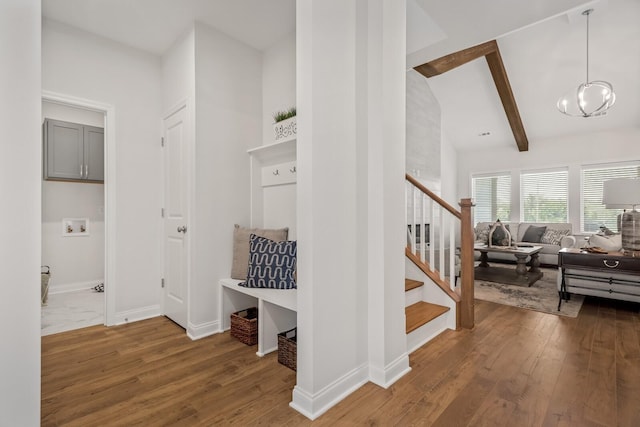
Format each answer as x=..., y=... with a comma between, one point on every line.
x=182, y=229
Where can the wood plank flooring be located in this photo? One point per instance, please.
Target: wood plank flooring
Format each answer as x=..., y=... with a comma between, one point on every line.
x=516, y=368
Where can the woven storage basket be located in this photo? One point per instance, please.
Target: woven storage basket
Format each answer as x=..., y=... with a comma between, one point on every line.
x=244, y=325
x=287, y=348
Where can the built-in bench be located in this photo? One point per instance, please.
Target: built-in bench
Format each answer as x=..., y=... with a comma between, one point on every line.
x=277, y=310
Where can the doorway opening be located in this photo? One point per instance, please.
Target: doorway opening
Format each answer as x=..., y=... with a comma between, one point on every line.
x=76, y=214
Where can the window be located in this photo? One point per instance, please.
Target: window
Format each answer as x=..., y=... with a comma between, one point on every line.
x=492, y=197
x=544, y=196
x=593, y=213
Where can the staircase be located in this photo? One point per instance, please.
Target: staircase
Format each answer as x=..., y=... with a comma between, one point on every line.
x=439, y=266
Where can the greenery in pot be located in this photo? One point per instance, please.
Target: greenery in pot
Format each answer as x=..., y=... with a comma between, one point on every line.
x=279, y=116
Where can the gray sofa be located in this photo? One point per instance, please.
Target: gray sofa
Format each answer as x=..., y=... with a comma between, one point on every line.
x=549, y=253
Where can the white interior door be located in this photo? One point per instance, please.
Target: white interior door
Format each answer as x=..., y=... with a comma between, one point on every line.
x=175, y=233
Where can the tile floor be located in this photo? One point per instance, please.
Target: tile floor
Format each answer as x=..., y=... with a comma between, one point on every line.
x=72, y=310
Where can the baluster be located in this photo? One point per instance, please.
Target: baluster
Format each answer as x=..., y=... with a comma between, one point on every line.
x=441, y=240
x=452, y=251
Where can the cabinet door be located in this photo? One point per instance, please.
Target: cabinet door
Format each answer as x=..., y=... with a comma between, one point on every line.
x=93, y=153
x=64, y=150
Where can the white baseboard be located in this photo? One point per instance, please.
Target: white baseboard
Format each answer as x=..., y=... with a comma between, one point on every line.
x=391, y=373
x=73, y=287
x=195, y=332
x=137, y=314
x=313, y=405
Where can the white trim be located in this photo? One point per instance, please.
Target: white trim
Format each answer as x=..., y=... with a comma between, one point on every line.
x=195, y=332
x=137, y=314
x=312, y=405
x=109, y=190
x=391, y=373
x=73, y=287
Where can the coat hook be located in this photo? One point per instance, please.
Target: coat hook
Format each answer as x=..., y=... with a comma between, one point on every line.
x=277, y=172
x=292, y=170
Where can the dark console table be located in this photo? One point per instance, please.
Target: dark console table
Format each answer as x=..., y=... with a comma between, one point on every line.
x=610, y=275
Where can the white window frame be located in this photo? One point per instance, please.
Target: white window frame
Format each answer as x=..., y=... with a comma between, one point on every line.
x=507, y=174
x=611, y=165
x=564, y=169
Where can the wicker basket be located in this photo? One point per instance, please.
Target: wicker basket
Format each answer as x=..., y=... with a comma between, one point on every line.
x=287, y=348
x=244, y=325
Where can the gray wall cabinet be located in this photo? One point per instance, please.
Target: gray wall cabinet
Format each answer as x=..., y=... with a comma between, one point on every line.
x=73, y=152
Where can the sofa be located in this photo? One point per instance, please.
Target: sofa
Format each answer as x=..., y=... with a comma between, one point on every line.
x=555, y=237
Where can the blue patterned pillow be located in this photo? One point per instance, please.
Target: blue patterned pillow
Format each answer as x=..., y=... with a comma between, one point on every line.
x=271, y=264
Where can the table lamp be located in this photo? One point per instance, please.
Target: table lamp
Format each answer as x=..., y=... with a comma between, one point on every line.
x=622, y=193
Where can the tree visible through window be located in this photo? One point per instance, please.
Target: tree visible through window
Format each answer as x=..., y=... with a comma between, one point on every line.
x=492, y=197
x=594, y=214
x=544, y=196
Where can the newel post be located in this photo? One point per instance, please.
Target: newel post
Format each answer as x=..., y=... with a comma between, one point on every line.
x=466, y=268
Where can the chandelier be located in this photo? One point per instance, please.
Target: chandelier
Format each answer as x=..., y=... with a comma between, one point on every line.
x=590, y=99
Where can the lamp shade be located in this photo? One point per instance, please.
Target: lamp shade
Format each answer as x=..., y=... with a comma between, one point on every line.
x=621, y=193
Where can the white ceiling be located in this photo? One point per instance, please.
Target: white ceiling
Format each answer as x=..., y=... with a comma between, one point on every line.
x=543, y=49
x=153, y=25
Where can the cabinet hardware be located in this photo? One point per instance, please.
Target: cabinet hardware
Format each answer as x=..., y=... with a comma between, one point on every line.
x=615, y=263
x=276, y=172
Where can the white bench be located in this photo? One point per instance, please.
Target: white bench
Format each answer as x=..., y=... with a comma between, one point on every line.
x=276, y=310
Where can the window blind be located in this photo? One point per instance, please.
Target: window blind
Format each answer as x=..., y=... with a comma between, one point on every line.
x=544, y=196
x=492, y=197
x=594, y=214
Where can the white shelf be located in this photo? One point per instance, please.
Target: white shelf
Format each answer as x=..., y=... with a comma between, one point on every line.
x=276, y=152
x=276, y=310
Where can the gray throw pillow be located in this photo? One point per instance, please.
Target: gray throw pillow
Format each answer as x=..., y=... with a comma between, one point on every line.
x=241, y=236
x=534, y=234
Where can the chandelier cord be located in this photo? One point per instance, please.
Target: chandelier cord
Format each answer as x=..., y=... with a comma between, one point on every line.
x=588, y=13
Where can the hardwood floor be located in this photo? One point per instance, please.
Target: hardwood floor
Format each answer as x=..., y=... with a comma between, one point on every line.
x=516, y=368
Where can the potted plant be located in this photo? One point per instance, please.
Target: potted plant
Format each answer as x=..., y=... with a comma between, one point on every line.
x=284, y=125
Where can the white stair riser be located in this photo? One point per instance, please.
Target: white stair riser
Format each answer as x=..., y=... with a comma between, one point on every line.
x=427, y=332
x=413, y=296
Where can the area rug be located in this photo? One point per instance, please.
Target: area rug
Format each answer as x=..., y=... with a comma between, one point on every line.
x=541, y=296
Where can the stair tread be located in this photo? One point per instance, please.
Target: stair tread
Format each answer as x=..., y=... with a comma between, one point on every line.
x=421, y=313
x=412, y=284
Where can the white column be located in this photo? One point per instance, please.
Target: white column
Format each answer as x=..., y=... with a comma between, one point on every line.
x=386, y=47
x=350, y=99
x=20, y=217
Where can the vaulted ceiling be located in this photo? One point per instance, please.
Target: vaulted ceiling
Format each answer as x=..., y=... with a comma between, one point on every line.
x=541, y=42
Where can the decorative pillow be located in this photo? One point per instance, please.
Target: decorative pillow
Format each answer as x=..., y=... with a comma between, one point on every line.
x=553, y=237
x=533, y=234
x=271, y=264
x=611, y=243
x=499, y=237
x=482, y=234
x=241, y=235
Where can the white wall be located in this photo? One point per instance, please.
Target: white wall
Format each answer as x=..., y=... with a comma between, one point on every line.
x=87, y=66
x=20, y=181
x=424, y=141
x=278, y=82
x=228, y=121
x=278, y=94
x=178, y=73
x=572, y=152
x=75, y=262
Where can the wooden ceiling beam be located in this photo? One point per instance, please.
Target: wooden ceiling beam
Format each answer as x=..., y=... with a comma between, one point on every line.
x=491, y=52
x=456, y=59
x=501, y=80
